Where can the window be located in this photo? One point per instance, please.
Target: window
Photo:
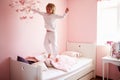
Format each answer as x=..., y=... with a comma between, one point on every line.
x=108, y=21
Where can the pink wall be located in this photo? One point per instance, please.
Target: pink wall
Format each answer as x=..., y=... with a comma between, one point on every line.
x=25, y=37
x=82, y=21
x=101, y=51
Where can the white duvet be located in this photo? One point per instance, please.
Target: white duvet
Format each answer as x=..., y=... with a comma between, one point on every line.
x=53, y=73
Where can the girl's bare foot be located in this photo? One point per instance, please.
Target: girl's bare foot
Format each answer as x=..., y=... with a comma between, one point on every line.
x=56, y=60
x=49, y=55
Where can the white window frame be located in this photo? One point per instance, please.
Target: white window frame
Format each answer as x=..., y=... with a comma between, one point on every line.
x=103, y=27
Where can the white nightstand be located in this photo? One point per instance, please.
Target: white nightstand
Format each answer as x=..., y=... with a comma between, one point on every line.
x=107, y=60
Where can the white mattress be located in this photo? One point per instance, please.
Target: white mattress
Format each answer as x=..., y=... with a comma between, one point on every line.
x=53, y=74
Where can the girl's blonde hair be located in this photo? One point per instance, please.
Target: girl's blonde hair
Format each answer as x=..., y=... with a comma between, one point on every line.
x=52, y=6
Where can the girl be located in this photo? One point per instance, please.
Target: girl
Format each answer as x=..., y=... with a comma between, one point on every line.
x=50, y=18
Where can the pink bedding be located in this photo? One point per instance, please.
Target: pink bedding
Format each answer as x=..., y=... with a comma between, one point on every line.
x=64, y=63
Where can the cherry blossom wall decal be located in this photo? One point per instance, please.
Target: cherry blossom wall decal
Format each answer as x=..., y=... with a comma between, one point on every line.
x=23, y=7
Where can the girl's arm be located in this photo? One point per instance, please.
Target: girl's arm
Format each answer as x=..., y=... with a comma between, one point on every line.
x=34, y=10
x=62, y=16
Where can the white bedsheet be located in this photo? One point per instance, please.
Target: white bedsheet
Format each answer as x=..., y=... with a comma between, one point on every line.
x=53, y=74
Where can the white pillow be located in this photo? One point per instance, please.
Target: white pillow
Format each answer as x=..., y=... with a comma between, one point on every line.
x=72, y=54
x=42, y=64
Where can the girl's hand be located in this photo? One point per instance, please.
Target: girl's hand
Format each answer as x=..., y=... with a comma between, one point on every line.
x=66, y=10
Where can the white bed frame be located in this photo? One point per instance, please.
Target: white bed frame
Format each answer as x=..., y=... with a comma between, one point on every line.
x=88, y=50
x=23, y=71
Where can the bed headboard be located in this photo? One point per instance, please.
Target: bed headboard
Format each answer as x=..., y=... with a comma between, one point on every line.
x=87, y=49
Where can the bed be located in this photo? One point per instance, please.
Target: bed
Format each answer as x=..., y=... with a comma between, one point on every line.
x=83, y=70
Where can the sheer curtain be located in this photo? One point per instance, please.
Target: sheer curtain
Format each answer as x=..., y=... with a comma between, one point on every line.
x=108, y=21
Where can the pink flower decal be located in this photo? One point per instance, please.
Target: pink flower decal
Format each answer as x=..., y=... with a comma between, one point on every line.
x=22, y=1
x=23, y=7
